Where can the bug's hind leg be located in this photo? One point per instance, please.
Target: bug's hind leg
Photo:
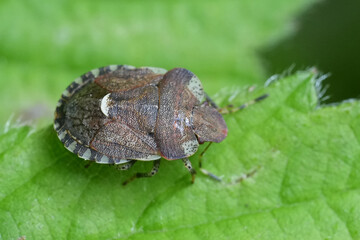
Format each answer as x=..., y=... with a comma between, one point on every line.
x=204, y=171
x=189, y=167
x=126, y=166
x=231, y=108
x=153, y=171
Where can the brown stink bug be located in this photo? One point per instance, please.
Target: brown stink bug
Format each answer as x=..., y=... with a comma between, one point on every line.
x=120, y=114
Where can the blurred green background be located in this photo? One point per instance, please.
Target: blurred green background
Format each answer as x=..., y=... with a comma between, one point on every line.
x=45, y=45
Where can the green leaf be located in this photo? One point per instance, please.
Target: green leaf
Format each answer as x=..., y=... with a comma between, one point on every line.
x=291, y=170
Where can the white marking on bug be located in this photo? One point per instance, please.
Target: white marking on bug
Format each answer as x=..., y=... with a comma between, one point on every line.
x=62, y=135
x=72, y=146
x=129, y=67
x=105, y=104
x=78, y=80
x=179, y=122
x=113, y=67
x=56, y=126
x=66, y=93
x=190, y=147
x=104, y=159
x=196, y=88
x=95, y=72
x=86, y=154
x=59, y=103
x=121, y=161
x=157, y=70
x=149, y=158
x=187, y=122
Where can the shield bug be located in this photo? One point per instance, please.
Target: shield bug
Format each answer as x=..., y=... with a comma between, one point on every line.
x=120, y=114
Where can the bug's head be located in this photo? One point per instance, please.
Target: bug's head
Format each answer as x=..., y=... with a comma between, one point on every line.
x=209, y=125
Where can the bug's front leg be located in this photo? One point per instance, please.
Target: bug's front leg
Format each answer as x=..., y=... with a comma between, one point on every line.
x=153, y=171
x=204, y=171
x=189, y=167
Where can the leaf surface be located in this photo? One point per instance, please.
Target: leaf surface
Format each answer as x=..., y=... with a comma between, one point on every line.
x=298, y=164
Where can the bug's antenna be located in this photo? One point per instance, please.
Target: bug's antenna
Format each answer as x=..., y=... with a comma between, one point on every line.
x=231, y=108
x=210, y=101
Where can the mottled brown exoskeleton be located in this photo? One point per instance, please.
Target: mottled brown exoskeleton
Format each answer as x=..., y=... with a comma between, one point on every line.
x=121, y=114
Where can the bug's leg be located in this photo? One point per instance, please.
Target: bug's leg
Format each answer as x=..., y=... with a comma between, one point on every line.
x=153, y=171
x=231, y=109
x=210, y=101
x=126, y=166
x=189, y=167
x=204, y=171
